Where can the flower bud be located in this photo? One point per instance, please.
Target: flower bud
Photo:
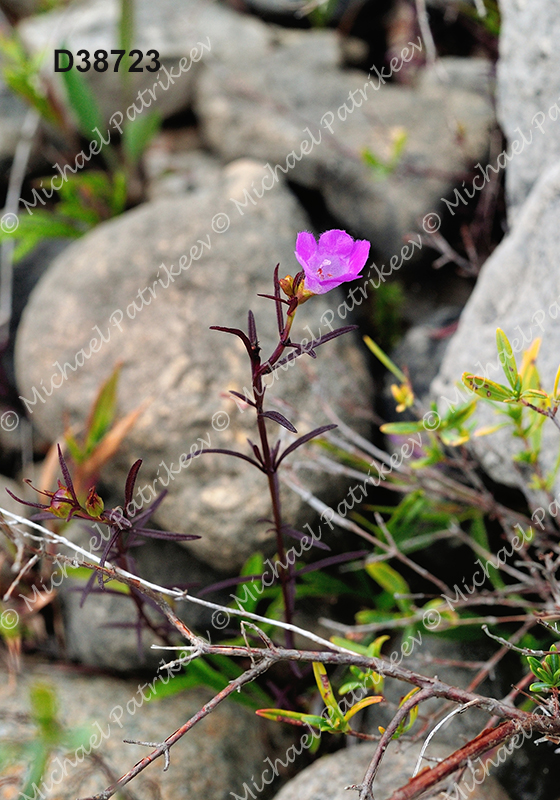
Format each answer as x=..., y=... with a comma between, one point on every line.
x=62, y=502
x=94, y=504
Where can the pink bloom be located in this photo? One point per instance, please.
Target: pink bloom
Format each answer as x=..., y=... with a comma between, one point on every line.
x=335, y=259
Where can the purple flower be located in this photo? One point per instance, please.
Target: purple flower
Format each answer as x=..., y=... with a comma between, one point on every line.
x=335, y=259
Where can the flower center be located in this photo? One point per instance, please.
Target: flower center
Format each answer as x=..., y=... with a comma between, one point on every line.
x=326, y=262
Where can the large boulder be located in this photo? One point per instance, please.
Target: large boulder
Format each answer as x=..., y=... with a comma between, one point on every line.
x=184, y=32
x=518, y=291
x=528, y=91
x=331, y=776
x=117, y=278
x=307, y=119
x=223, y=750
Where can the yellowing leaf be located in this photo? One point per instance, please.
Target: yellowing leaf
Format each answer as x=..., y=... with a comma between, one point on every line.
x=325, y=688
x=507, y=360
x=487, y=389
x=367, y=701
x=488, y=429
x=528, y=369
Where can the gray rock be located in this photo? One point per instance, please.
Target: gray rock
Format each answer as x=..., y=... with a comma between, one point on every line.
x=220, y=753
x=517, y=290
x=470, y=74
x=172, y=169
x=421, y=352
x=171, y=359
x=330, y=777
x=272, y=106
x=8, y=503
x=172, y=27
x=528, y=91
x=89, y=633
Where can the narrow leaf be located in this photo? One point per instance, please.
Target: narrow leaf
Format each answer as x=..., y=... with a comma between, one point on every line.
x=251, y=327
x=509, y=365
x=367, y=701
x=130, y=482
x=243, y=397
x=325, y=688
x=385, y=360
x=104, y=409
x=391, y=581
x=280, y=419
x=82, y=101
x=303, y=439
x=487, y=389
x=402, y=428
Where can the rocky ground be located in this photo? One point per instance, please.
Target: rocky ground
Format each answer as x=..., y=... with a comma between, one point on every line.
x=269, y=129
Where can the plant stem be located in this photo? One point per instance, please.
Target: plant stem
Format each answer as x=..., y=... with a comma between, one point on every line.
x=274, y=486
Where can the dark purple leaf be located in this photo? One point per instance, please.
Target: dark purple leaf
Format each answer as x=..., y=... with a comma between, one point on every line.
x=25, y=502
x=130, y=482
x=256, y=451
x=271, y=297
x=105, y=554
x=225, y=584
x=227, y=453
x=278, y=301
x=236, y=332
x=252, y=328
x=332, y=560
x=66, y=474
x=275, y=450
x=280, y=419
x=316, y=343
x=138, y=519
x=150, y=533
x=327, y=337
x=305, y=536
x=88, y=588
x=243, y=397
x=303, y=440
x=303, y=349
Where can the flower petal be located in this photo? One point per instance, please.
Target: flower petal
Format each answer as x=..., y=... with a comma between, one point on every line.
x=334, y=260
x=336, y=242
x=359, y=255
x=306, y=247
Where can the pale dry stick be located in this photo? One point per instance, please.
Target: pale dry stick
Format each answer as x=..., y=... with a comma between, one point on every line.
x=335, y=655
x=525, y=651
x=434, y=730
x=425, y=30
x=267, y=656
x=490, y=557
x=322, y=508
x=177, y=594
x=17, y=176
x=373, y=627
x=481, y=8
x=424, y=573
x=492, y=662
x=430, y=687
x=26, y=567
x=163, y=747
x=402, y=712
x=458, y=760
